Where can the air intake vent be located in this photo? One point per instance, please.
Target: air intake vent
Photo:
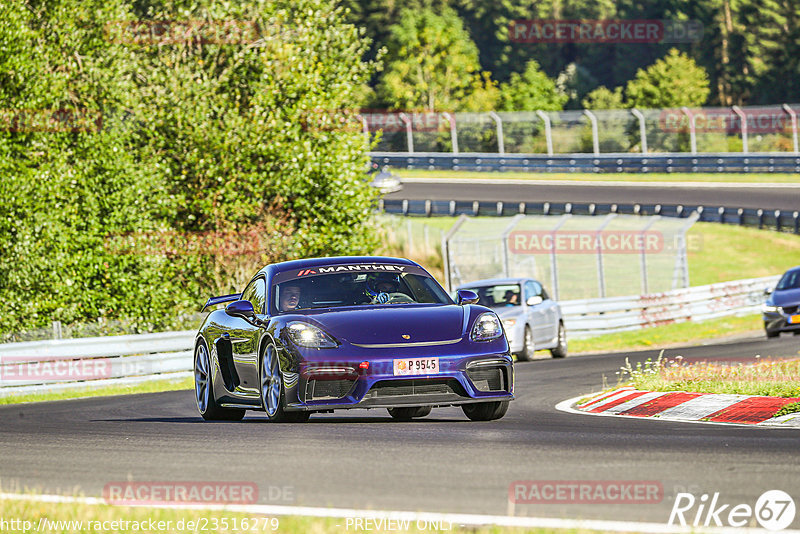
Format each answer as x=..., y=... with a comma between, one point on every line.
x=491, y=379
x=328, y=389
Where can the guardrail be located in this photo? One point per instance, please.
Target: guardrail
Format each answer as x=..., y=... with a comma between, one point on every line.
x=769, y=162
x=780, y=220
x=43, y=366
x=589, y=317
x=40, y=366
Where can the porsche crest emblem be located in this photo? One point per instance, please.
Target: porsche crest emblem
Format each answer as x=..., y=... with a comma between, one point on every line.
x=406, y=336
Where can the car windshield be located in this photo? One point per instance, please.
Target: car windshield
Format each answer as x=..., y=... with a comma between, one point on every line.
x=498, y=295
x=357, y=289
x=790, y=280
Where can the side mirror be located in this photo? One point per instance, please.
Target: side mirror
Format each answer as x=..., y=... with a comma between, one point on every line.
x=768, y=291
x=533, y=301
x=241, y=308
x=465, y=296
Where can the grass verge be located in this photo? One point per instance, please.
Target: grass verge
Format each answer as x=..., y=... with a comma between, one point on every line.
x=671, y=334
x=770, y=378
x=45, y=517
x=603, y=177
x=154, y=386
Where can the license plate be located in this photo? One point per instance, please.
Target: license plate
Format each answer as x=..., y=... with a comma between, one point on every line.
x=794, y=319
x=416, y=366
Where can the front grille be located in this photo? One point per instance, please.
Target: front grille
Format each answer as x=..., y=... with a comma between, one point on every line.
x=328, y=389
x=491, y=379
x=401, y=388
x=790, y=310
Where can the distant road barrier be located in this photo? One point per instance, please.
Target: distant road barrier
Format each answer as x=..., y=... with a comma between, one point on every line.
x=770, y=162
x=590, y=317
x=781, y=220
x=52, y=365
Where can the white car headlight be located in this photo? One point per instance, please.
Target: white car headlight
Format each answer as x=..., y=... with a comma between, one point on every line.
x=766, y=308
x=308, y=335
x=487, y=327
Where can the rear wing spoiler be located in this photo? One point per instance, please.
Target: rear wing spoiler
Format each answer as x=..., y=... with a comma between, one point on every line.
x=219, y=300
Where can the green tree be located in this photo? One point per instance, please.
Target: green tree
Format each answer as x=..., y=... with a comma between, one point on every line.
x=532, y=90
x=431, y=62
x=604, y=98
x=673, y=81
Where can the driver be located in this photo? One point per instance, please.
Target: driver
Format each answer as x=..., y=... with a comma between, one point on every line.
x=381, y=285
x=290, y=297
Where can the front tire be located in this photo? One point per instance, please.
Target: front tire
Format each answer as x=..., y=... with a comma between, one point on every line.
x=485, y=411
x=561, y=349
x=528, y=346
x=273, y=392
x=204, y=389
x=772, y=333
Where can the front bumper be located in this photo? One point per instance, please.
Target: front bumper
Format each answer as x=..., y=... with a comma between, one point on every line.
x=461, y=380
x=780, y=322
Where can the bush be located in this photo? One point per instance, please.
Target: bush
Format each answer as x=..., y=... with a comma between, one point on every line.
x=195, y=140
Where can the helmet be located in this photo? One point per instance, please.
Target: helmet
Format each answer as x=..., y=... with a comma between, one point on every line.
x=378, y=283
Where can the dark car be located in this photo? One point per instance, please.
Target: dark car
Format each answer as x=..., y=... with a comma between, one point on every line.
x=328, y=334
x=781, y=313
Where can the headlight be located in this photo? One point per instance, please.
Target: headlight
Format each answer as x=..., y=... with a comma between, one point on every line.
x=766, y=308
x=308, y=335
x=487, y=327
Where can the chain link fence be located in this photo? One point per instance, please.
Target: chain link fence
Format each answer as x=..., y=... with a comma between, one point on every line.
x=577, y=256
x=755, y=129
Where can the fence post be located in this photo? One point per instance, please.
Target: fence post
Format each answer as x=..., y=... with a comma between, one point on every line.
x=642, y=130
x=506, y=233
x=743, y=118
x=793, y=118
x=548, y=135
x=453, y=132
x=446, y=251
x=553, y=261
x=409, y=131
x=56, y=329
x=501, y=146
x=595, y=134
x=647, y=227
x=601, y=275
x=692, y=132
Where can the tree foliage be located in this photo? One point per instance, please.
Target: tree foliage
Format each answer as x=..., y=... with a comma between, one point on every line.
x=531, y=90
x=431, y=62
x=674, y=81
x=132, y=170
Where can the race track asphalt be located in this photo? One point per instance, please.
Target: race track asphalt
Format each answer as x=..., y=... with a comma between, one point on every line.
x=443, y=463
x=783, y=197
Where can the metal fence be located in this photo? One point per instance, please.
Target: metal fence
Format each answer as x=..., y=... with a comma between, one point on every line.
x=591, y=317
x=44, y=366
x=47, y=366
x=744, y=130
x=575, y=256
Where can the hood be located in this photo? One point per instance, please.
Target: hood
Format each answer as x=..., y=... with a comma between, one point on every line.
x=786, y=297
x=508, y=311
x=389, y=324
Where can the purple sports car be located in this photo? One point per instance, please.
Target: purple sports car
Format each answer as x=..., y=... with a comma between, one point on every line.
x=328, y=334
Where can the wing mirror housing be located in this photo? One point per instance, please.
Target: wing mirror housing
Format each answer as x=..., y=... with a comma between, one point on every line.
x=465, y=296
x=768, y=291
x=241, y=308
x=534, y=301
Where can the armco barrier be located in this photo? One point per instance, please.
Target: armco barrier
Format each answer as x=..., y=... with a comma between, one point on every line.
x=40, y=366
x=591, y=317
x=595, y=163
x=780, y=220
x=37, y=366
